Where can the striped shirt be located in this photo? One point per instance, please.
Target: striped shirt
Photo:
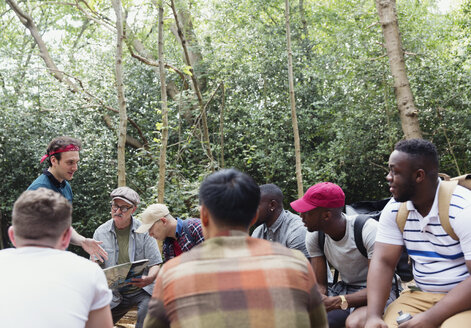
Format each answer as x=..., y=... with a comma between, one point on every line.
x=439, y=260
x=236, y=281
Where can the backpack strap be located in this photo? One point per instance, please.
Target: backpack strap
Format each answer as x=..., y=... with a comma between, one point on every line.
x=321, y=243
x=444, y=198
x=401, y=217
x=360, y=221
x=321, y=240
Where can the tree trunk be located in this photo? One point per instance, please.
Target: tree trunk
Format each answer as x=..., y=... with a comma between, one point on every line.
x=63, y=77
x=404, y=98
x=120, y=93
x=204, y=121
x=163, y=92
x=294, y=119
x=221, y=125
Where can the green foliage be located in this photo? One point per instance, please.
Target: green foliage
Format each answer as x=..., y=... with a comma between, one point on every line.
x=345, y=101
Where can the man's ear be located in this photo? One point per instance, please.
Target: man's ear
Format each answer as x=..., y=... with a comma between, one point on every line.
x=204, y=215
x=419, y=175
x=64, y=240
x=134, y=210
x=326, y=215
x=11, y=235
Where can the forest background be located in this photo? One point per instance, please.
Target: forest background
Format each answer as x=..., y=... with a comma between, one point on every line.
x=226, y=96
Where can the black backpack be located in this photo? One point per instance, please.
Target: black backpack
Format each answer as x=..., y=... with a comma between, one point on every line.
x=372, y=210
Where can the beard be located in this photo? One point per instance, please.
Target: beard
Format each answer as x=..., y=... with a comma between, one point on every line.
x=406, y=192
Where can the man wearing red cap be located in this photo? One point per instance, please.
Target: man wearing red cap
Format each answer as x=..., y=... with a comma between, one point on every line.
x=321, y=210
x=62, y=157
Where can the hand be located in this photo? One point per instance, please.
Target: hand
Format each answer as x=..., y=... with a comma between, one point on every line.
x=143, y=281
x=332, y=303
x=376, y=322
x=93, y=248
x=420, y=320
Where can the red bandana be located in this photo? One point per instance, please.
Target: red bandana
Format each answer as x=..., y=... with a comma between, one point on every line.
x=61, y=150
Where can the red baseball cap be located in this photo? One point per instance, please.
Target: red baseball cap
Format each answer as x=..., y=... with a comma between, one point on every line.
x=324, y=194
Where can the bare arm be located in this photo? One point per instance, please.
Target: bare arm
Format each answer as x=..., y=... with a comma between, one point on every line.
x=319, y=266
x=356, y=299
x=380, y=274
x=89, y=245
x=100, y=318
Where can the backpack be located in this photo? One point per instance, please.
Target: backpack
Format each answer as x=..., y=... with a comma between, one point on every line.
x=403, y=267
x=447, y=187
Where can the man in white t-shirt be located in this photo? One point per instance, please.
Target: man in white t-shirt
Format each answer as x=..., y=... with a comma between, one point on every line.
x=441, y=264
x=321, y=211
x=41, y=284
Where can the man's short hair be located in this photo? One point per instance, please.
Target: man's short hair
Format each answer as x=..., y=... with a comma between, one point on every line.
x=61, y=142
x=273, y=191
x=231, y=197
x=41, y=214
x=423, y=152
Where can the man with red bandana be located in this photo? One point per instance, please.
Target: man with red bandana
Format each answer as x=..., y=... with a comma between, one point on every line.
x=62, y=156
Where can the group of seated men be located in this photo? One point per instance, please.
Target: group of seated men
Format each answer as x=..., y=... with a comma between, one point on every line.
x=233, y=280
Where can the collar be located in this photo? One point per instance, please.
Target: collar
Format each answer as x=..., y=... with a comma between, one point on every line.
x=231, y=233
x=276, y=225
x=53, y=179
x=432, y=215
x=179, y=229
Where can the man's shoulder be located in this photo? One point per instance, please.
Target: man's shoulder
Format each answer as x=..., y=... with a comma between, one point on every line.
x=292, y=221
x=40, y=181
x=258, y=231
x=104, y=227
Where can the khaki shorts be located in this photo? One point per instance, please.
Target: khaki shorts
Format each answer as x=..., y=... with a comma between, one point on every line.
x=416, y=302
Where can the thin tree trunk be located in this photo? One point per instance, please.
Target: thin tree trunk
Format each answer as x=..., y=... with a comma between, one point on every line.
x=63, y=77
x=294, y=120
x=196, y=89
x=404, y=98
x=163, y=92
x=120, y=93
x=221, y=125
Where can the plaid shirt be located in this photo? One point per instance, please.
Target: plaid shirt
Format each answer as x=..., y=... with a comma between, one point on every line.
x=185, y=241
x=236, y=281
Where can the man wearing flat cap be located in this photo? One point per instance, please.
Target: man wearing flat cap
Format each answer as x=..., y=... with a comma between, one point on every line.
x=321, y=211
x=123, y=244
x=177, y=235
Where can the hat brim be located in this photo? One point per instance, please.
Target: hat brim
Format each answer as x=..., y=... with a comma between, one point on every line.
x=302, y=206
x=124, y=199
x=144, y=227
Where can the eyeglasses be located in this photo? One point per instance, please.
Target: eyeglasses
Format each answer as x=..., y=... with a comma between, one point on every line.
x=123, y=208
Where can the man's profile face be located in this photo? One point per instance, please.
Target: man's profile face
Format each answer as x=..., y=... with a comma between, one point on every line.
x=401, y=176
x=312, y=219
x=121, y=219
x=263, y=209
x=65, y=168
x=158, y=230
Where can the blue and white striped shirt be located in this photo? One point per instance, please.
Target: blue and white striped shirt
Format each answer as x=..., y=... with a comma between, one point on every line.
x=439, y=260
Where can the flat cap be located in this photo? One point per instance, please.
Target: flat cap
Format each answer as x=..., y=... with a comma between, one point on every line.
x=127, y=194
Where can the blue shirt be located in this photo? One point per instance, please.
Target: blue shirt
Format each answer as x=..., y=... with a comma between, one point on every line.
x=141, y=246
x=48, y=181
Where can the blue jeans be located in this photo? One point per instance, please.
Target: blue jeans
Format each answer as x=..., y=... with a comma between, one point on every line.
x=121, y=304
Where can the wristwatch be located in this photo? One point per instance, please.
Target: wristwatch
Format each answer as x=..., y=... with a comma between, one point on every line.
x=344, y=304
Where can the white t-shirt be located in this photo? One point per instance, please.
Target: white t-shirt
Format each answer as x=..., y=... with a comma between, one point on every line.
x=343, y=255
x=45, y=287
x=439, y=260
